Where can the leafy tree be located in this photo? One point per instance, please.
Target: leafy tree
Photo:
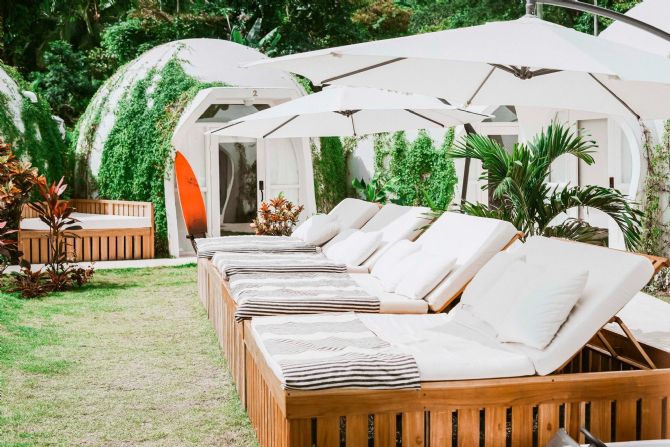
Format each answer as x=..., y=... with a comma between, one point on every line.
x=64, y=84
x=384, y=19
x=522, y=196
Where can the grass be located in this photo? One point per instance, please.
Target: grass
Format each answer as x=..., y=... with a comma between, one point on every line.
x=127, y=360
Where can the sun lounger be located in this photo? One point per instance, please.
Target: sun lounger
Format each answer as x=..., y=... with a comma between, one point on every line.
x=473, y=388
x=485, y=238
x=349, y=214
x=351, y=250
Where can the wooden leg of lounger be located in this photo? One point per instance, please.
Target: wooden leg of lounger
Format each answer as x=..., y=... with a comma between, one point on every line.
x=357, y=430
x=522, y=423
x=413, y=428
x=468, y=427
x=441, y=424
x=385, y=429
x=601, y=419
x=495, y=427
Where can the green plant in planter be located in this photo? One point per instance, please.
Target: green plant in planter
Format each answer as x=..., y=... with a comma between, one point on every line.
x=374, y=191
x=522, y=196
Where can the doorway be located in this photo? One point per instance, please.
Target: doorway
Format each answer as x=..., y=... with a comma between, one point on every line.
x=237, y=186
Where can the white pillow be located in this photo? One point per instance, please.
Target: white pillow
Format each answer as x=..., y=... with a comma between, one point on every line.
x=428, y=270
x=535, y=318
x=493, y=304
x=356, y=248
x=317, y=230
x=389, y=267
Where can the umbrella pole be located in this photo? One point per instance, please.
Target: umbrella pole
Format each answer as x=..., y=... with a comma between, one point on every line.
x=466, y=168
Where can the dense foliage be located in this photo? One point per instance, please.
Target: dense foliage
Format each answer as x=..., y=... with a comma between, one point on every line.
x=330, y=173
x=520, y=194
x=137, y=153
x=416, y=173
x=103, y=35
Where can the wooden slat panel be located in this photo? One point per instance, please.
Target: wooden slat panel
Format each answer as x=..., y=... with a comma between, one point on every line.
x=601, y=419
x=111, y=253
x=522, y=425
x=385, y=429
x=357, y=430
x=137, y=247
x=95, y=248
x=547, y=422
x=413, y=429
x=652, y=418
x=468, y=428
x=120, y=246
x=575, y=418
x=441, y=428
x=104, y=248
x=495, y=428
x=626, y=419
x=300, y=432
x=328, y=431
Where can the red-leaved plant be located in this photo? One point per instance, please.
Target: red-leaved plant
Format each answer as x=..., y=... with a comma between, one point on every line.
x=7, y=246
x=277, y=217
x=58, y=273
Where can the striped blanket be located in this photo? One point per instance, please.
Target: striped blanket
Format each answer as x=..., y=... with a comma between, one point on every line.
x=207, y=247
x=230, y=263
x=324, y=351
x=298, y=293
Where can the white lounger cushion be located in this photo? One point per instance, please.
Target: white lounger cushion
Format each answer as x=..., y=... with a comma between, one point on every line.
x=318, y=229
x=354, y=213
x=614, y=278
x=473, y=241
x=445, y=349
x=389, y=302
x=388, y=268
x=427, y=269
x=93, y=222
x=355, y=248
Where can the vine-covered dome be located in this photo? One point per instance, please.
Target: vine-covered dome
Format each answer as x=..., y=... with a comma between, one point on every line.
x=122, y=141
x=26, y=123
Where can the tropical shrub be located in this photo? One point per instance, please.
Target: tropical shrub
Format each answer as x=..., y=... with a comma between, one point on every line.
x=17, y=180
x=58, y=273
x=7, y=246
x=277, y=217
x=374, y=191
x=517, y=182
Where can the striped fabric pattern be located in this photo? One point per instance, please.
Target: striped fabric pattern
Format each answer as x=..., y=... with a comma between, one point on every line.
x=230, y=263
x=207, y=247
x=259, y=294
x=316, y=352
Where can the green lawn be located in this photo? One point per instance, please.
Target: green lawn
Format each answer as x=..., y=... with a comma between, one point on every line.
x=128, y=360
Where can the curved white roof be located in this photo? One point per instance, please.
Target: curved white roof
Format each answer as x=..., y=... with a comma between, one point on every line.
x=208, y=60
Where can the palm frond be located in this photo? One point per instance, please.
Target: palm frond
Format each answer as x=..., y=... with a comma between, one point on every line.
x=557, y=140
x=495, y=159
x=578, y=230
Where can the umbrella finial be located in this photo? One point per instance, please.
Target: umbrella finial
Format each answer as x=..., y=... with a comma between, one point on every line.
x=531, y=6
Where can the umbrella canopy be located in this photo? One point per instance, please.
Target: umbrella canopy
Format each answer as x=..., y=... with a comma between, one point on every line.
x=524, y=62
x=349, y=111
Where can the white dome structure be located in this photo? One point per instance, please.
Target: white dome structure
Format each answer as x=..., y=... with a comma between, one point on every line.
x=206, y=87
x=26, y=123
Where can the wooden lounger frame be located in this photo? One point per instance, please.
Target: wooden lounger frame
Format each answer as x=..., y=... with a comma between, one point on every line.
x=96, y=244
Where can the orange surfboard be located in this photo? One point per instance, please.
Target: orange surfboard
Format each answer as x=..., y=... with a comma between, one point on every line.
x=190, y=197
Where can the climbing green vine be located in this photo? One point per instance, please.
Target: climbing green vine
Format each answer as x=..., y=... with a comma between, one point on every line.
x=137, y=153
x=41, y=141
x=656, y=189
x=329, y=162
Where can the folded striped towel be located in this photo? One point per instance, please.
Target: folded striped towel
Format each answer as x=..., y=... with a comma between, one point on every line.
x=333, y=351
x=231, y=263
x=207, y=247
x=298, y=293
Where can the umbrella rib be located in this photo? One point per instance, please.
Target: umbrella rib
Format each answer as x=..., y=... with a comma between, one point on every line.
x=280, y=126
x=227, y=126
x=362, y=70
x=493, y=68
x=630, y=109
x=424, y=117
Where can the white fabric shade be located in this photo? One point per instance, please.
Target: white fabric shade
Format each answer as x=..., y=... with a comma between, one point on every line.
x=525, y=62
x=347, y=111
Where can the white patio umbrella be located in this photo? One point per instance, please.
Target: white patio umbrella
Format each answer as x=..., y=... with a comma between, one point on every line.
x=524, y=62
x=349, y=111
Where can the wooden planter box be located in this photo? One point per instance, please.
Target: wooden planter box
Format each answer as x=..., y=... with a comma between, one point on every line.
x=96, y=244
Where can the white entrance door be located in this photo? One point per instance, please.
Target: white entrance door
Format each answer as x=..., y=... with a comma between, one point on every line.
x=279, y=163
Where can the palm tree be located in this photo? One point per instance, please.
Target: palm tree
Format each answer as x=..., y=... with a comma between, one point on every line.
x=517, y=184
